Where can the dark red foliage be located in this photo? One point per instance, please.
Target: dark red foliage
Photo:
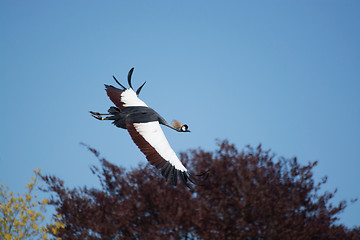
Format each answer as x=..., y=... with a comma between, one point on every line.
x=248, y=195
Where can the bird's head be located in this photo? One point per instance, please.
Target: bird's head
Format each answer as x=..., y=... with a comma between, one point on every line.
x=179, y=127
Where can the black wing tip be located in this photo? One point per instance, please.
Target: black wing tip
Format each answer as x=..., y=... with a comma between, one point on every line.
x=184, y=179
x=198, y=179
x=118, y=82
x=187, y=178
x=129, y=82
x=109, y=86
x=174, y=176
x=204, y=175
x=168, y=169
x=129, y=77
x=139, y=89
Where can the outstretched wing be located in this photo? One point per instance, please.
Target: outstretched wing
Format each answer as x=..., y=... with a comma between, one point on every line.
x=123, y=98
x=152, y=142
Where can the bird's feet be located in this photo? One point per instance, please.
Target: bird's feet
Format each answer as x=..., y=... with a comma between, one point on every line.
x=97, y=115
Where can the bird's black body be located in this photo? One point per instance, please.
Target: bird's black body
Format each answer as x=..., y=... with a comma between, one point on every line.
x=137, y=114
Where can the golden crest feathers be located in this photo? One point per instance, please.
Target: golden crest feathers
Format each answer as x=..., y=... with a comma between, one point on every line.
x=176, y=124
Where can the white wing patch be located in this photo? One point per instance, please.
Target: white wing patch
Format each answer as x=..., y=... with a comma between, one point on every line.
x=153, y=134
x=130, y=99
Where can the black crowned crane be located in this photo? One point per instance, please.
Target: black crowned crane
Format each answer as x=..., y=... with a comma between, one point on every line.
x=143, y=125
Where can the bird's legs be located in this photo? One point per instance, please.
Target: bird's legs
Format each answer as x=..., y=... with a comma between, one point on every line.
x=99, y=115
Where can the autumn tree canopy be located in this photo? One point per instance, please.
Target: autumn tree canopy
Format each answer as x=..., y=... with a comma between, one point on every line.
x=249, y=195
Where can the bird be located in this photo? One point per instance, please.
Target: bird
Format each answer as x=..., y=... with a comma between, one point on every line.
x=143, y=125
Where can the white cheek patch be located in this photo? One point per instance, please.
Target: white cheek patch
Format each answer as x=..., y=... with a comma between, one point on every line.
x=130, y=99
x=153, y=134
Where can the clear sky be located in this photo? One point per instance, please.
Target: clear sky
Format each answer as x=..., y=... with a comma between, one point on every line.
x=285, y=74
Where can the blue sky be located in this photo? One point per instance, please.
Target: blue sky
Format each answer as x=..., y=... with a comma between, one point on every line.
x=285, y=74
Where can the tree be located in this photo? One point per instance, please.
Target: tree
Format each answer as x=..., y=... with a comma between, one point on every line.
x=248, y=195
x=21, y=216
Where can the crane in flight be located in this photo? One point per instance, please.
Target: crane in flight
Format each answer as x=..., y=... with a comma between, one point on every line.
x=143, y=125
